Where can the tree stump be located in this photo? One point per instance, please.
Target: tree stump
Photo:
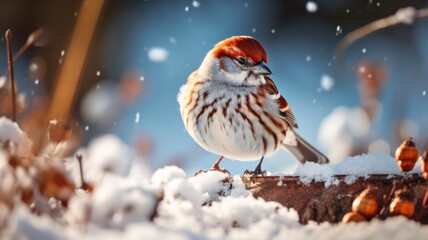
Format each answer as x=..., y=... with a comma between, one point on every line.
x=321, y=202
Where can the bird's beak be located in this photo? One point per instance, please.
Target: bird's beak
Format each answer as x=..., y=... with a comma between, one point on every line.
x=261, y=69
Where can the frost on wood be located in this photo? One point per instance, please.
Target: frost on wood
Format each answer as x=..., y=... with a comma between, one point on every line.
x=325, y=192
x=358, y=166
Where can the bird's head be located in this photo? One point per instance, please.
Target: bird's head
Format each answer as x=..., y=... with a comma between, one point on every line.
x=239, y=60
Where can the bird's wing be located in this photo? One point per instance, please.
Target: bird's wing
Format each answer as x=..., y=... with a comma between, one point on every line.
x=284, y=108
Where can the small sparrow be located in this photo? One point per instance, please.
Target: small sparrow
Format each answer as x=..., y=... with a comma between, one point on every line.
x=231, y=107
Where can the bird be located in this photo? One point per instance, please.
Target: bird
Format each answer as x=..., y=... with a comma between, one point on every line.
x=231, y=107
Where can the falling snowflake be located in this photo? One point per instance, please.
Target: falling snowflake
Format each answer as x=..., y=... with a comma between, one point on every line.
x=338, y=30
x=186, y=9
x=424, y=93
x=98, y=73
x=157, y=54
x=364, y=50
x=308, y=58
x=272, y=31
x=137, y=117
x=326, y=82
x=254, y=30
x=86, y=128
x=196, y=4
x=311, y=7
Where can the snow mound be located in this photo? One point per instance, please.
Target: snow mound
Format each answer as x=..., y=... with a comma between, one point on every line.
x=166, y=174
x=108, y=154
x=126, y=204
x=10, y=131
x=353, y=167
x=118, y=202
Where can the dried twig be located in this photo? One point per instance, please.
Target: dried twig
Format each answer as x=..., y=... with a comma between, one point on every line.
x=82, y=180
x=34, y=36
x=10, y=67
x=402, y=16
x=384, y=211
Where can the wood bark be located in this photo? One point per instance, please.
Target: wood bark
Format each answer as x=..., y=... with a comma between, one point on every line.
x=320, y=201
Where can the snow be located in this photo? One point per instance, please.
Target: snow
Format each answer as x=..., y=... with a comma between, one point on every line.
x=130, y=202
x=107, y=155
x=311, y=7
x=121, y=208
x=326, y=82
x=166, y=174
x=10, y=131
x=158, y=54
x=135, y=204
x=353, y=167
x=196, y=4
x=338, y=30
x=137, y=117
x=28, y=226
x=406, y=15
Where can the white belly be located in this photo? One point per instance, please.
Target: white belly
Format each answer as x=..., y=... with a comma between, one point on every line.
x=247, y=136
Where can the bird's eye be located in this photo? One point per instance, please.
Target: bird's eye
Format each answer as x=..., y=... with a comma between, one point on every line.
x=242, y=60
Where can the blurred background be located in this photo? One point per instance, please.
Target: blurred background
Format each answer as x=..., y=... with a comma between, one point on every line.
x=141, y=52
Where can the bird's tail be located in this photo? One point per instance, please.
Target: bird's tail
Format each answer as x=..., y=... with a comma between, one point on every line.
x=302, y=150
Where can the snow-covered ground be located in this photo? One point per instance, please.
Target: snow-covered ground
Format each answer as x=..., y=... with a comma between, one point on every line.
x=131, y=202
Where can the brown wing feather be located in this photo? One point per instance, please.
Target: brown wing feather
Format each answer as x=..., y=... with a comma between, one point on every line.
x=284, y=108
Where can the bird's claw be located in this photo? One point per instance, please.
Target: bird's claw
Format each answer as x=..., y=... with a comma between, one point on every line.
x=222, y=170
x=253, y=174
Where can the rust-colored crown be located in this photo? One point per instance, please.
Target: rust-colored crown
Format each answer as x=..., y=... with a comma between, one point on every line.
x=241, y=46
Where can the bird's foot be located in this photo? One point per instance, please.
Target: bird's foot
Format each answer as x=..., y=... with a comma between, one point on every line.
x=213, y=168
x=257, y=172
